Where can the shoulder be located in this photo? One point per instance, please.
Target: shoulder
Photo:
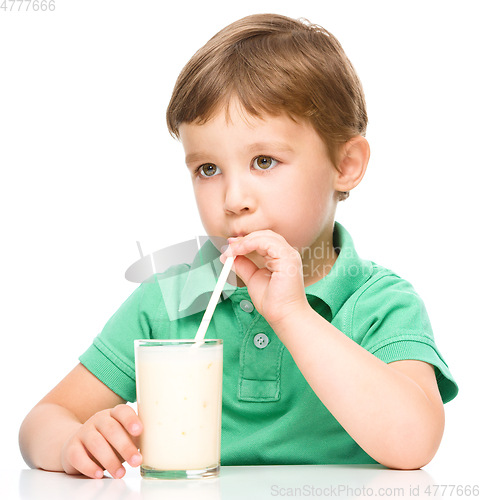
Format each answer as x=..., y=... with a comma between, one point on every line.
x=384, y=284
x=387, y=303
x=154, y=292
x=389, y=319
x=163, y=287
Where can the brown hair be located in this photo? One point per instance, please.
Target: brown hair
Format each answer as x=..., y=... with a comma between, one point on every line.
x=274, y=64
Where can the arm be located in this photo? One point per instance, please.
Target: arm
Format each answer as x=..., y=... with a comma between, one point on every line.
x=394, y=412
x=81, y=426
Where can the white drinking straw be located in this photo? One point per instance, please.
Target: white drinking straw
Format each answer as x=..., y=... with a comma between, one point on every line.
x=204, y=324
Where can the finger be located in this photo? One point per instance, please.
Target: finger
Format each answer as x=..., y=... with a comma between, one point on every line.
x=127, y=418
x=283, y=270
x=265, y=234
x=265, y=245
x=262, y=232
x=80, y=462
x=103, y=453
x=236, y=243
x=120, y=440
x=246, y=269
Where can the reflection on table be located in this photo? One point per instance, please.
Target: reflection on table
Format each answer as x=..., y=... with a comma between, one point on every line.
x=315, y=481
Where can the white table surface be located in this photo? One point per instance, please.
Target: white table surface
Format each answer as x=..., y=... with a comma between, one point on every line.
x=260, y=482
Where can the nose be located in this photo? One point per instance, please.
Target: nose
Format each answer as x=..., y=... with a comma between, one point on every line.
x=239, y=196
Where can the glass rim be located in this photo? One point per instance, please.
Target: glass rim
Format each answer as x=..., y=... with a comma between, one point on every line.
x=171, y=342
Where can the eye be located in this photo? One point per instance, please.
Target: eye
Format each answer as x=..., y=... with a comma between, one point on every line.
x=208, y=170
x=264, y=162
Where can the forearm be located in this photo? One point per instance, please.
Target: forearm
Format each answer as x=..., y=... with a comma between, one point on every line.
x=383, y=410
x=43, y=434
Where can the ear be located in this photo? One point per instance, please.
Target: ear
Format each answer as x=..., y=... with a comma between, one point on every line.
x=354, y=157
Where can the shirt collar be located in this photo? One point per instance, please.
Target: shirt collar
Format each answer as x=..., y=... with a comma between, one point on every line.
x=346, y=276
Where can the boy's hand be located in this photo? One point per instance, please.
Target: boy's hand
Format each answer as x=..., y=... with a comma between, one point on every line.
x=278, y=289
x=104, y=442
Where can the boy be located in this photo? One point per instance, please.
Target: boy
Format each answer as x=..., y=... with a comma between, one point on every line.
x=328, y=358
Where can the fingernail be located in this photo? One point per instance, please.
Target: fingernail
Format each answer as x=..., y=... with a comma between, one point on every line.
x=136, y=460
x=120, y=473
x=135, y=427
x=99, y=474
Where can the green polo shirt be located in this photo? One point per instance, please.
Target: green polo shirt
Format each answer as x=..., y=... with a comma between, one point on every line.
x=270, y=414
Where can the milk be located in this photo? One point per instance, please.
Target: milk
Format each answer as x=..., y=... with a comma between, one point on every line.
x=179, y=396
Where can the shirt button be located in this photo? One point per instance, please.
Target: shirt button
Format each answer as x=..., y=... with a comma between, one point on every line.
x=246, y=306
x=261, y=340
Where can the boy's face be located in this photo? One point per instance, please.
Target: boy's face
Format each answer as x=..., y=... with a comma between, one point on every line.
x=253, y=174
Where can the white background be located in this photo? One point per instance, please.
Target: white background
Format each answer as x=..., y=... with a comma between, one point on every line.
x=88, y=168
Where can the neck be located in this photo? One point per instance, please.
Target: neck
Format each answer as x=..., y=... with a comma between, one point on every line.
x=318, y=259
x=316, y=269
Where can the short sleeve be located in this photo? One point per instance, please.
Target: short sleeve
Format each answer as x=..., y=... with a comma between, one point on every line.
x=391, y=322
x=111, y=356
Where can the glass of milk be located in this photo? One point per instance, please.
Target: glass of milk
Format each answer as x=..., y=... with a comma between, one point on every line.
x=179, y=400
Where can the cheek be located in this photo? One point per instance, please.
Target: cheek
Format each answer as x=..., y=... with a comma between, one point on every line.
x=306, y=210
x=298, y=197
x=207, y=209
x=205, y=213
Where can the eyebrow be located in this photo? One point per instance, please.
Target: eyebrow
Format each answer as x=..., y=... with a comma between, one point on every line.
x=282, y=147
x=278, y=146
